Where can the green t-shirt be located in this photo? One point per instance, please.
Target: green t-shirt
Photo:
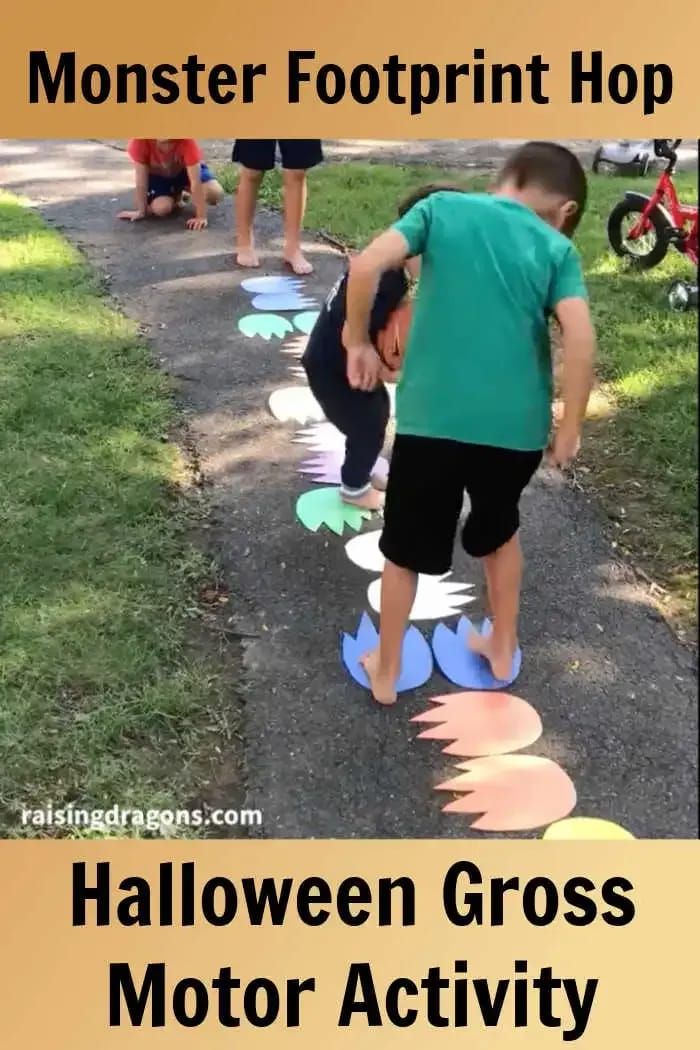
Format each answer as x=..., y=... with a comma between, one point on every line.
x=478, y=363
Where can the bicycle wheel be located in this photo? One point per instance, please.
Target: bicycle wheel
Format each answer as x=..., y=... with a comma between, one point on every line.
x=644, y=251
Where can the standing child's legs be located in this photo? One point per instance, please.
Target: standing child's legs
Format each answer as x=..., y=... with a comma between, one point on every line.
x=495, y=479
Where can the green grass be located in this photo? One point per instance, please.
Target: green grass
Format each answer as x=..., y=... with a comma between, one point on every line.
x=100, y=702
x=640, y=453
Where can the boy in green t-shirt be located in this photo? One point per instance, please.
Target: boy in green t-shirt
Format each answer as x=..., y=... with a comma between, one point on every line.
x=474, y=403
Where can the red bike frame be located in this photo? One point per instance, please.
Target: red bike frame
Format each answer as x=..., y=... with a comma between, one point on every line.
x=683, y=217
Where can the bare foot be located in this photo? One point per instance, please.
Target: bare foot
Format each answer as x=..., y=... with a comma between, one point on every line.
x=370, y=500
x=499, y=658
x=300, y=265
x=248, y=257
x=383, y=685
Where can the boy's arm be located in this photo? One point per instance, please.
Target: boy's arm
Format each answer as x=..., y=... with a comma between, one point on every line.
x=199, y=199
x=388, y=251
x=140, y=194
x=578, y=355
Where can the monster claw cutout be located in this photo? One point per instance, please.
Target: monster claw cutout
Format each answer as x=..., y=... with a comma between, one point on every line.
x=511, y=792
x=480, y=724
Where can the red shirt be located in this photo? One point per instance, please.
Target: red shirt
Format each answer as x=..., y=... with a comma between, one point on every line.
x=166, y=157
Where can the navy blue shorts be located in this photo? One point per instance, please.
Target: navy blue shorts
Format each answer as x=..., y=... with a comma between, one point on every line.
x=174, y=185
x=259, y=154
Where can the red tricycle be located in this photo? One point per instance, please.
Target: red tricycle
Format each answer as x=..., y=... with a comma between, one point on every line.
x=642, y=228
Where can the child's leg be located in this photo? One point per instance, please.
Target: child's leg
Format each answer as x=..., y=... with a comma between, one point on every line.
x=298, y=156
x=383, y=666
x=213, y=190
x=294, y=208
x=255, y=157
x=423, y=504
x=491, y=534
x=246, y=200
x=365, y=430
x=160, y=207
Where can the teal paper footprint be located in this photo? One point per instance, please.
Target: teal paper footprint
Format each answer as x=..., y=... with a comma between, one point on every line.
x=306, y=321
x=265, y=326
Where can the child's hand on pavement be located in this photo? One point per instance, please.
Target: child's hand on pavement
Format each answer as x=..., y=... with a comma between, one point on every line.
x=131, y=216
x=196, y=224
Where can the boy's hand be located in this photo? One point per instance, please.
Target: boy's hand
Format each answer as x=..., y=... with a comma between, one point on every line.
x=196, y=224
x=565, y=446
x=131, y=216
x=364, y=367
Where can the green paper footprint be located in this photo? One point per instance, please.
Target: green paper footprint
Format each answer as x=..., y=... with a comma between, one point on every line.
x=323, y=506
x=265, y=325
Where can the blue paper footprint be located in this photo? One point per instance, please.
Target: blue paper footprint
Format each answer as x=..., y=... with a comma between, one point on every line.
x=416, y=657
x=283, y=302
x=274, y=285
x=463, y=667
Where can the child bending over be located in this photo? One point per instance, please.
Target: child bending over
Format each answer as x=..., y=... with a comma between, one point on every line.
x=474, y=401
x=166, y=169
x=361, y=415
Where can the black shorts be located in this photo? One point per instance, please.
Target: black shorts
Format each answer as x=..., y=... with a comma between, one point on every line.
x=259, y=154
x=427, y=482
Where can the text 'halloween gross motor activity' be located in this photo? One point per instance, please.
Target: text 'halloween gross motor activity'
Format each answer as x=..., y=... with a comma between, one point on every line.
x=484, y=725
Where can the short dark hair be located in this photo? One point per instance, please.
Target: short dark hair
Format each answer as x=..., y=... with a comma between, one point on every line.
x=553, y=168
x=426, y=191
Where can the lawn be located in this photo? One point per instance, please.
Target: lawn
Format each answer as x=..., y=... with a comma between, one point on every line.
x=640, y=455
x=100, y=701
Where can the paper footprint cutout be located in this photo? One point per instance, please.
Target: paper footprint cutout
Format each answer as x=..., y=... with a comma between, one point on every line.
x=364, y=551
x=305, y=322
x=416, y=658
x=283, y=302
x=480, y=724
x=321, y=437
x=323, y=506
x=296, y=346
x=511, y=792
x=295, y=404
x=463, y=667
x=265, y=326
x=589, y=829
x=325, y=466
x=273, y=285
x=435, y=597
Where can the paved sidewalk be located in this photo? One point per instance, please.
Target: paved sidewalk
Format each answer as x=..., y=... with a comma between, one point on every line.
x=616, y=691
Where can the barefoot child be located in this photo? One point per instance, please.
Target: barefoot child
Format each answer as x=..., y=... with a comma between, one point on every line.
x=474, y=401
x=256, y=156
x=166, y=169
x=361, y=415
